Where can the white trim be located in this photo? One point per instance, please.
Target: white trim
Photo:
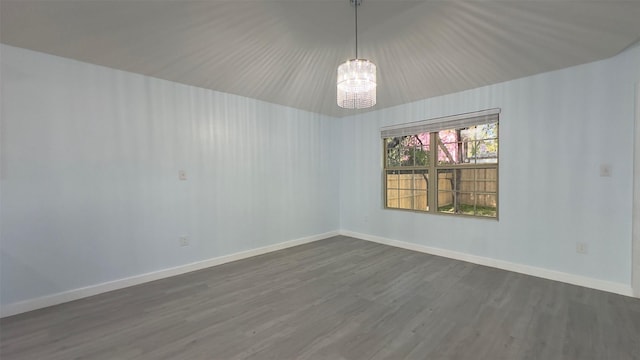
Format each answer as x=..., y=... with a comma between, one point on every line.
x=75, y=294
x=603, y=285
x=441, y=123
x=635, y=212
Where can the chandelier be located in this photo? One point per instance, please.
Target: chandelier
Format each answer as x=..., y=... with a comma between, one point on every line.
x=356, y=78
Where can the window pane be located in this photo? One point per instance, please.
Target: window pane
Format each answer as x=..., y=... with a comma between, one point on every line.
x=487, y=205
x=407, y=189
x=420, y=180
x=476, y=144
x=486, y=151
x=465, y=203
x=421, y=155
x=480, y=132
x=393, y=151
x=456, y=202
x=445, y=201
x=447, y=146
x=468, y=134
x=445, y=178
x=393, y=157
x=486, y=186
x=392, y=189
x=406, y=199
x=420, y=200
x=392, y=179
x=487, y=180
x=392, y=198
x=405, y=186
x=465, y=180
x=456, y=179
x=405, y=179
x=486, y=131
x=487, y=174
x=419, y=148
x=445, y=194
x=410, y=150
x=467, y=191
x=420, y=185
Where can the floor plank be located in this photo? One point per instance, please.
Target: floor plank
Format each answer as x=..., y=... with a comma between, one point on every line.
x=337, y=299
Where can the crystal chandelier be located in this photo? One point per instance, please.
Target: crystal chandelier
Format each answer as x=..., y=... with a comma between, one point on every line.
x=357, y=78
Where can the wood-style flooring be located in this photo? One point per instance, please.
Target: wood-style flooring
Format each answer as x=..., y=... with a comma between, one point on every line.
x=334, y=299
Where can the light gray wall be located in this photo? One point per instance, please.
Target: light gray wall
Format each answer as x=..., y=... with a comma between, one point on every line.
x=90, y=160
x=90, y=156
x=556, y=130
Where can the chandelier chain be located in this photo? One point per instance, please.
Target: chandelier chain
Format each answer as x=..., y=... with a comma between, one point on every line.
x=356, y=5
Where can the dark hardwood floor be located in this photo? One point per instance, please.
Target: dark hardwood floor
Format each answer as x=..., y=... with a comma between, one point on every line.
x=339, y=298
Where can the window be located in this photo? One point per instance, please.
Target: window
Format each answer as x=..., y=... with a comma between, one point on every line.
x=447, y=165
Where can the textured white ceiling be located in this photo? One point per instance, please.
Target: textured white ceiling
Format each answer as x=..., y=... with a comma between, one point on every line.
x=287, y=52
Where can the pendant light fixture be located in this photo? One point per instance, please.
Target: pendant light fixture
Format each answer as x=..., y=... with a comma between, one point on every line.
x=357, y=78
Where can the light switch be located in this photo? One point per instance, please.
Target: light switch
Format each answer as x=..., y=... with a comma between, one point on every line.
x=182, y=175
x=605, y=170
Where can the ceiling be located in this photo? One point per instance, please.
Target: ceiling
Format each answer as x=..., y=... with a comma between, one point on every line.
x=287, y=51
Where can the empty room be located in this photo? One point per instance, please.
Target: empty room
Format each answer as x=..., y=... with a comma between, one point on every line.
x=328, y=179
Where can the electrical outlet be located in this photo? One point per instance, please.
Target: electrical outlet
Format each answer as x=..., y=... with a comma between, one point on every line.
x=183, y=241
x=582, y=248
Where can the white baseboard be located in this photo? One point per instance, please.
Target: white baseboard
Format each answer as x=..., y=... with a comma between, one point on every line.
x=635, y=210
x=588, y=282
x=75, y=294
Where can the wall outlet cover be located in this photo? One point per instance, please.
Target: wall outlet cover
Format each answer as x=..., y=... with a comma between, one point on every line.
x=183, y=241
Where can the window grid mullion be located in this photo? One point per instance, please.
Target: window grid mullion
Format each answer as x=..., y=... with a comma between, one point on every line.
x=487, y=186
